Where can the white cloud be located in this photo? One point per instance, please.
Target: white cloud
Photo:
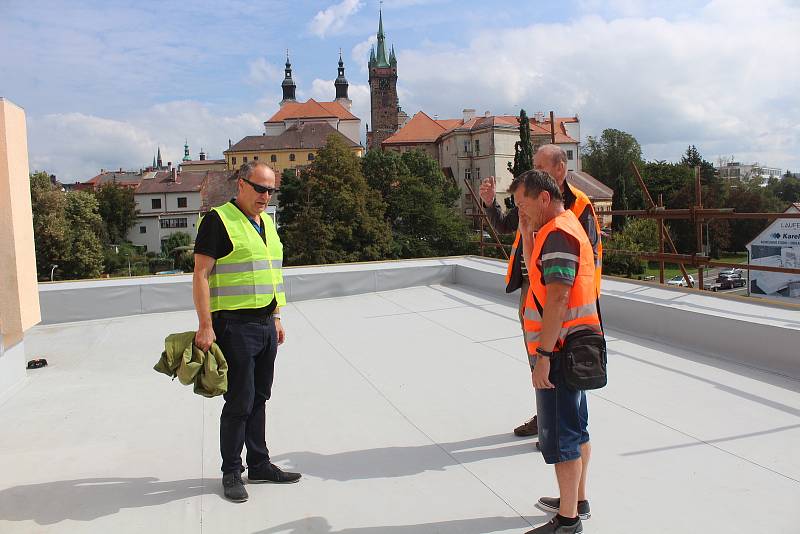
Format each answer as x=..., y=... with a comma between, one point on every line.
x=263, y=72
x=720, y=81
x=75, y=146
x=360, y=52
x=334, y=18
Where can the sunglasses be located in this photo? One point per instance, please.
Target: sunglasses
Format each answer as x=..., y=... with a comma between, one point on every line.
x=260, y=189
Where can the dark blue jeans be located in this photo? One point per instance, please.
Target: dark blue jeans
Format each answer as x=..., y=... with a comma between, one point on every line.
x=563, y=419
x=250, y=350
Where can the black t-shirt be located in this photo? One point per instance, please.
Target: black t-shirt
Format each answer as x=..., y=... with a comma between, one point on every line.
x=212, y=240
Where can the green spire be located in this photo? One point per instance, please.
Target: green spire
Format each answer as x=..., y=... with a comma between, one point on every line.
x=381, y=59
x=186, y=151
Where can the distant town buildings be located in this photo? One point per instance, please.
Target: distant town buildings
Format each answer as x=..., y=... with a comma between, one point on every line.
x=295, y=133
x=739, y=171
x=475, y=147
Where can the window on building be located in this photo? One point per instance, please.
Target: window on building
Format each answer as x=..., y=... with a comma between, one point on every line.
x=310, y=156
x=182, y=202
x=176, y=222
x=466, y=146
x=467, y=174
x=255, y=158
x=142, y=229
x=244, y=159
x=273, y=158
x=569, y=155
x=233, y=160
x=478, y=174
x=155, y=203
x=291, y=157
x=477, y=146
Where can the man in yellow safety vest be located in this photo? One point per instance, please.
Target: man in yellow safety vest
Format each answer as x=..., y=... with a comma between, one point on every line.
x=238, y=292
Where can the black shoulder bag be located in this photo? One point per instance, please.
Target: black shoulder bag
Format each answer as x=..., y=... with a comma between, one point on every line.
x=583, y=357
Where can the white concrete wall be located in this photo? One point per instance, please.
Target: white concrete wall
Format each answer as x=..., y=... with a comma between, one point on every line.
x=351, y=129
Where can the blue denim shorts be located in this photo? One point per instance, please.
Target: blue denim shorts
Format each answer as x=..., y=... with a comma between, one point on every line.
x=563, y=419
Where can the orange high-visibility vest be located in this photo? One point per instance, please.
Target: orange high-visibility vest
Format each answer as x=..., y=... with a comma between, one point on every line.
x=582, y=310
x=581, y=204
x=516, y=248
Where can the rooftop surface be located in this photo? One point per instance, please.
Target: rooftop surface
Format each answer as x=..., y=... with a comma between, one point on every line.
x=397, y=406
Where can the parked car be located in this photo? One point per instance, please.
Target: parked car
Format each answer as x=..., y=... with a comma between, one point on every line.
x=727, y=280
x=728, y=272
x=679, y=281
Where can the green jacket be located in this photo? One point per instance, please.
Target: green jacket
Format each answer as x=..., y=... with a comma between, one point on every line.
x=207, y=371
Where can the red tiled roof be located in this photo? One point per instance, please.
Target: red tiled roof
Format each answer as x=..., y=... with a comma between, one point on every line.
x=594, y=188
x=424, y=127
x=420, y=129
x=311, y=110
x=188, y=181
x=307, y=136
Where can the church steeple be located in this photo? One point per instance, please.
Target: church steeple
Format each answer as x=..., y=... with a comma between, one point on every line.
x=342, y=85
x=288, y=84
x=381, y=59
x=186, y=151
x=159, y=163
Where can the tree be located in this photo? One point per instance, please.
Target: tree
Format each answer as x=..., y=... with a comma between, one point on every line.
x=50, y=226
x=117, y=208
x=329, y=214
x=420, y=204
x=178, y=247
x=609, y=160
x=85, y=259
x=523, y=149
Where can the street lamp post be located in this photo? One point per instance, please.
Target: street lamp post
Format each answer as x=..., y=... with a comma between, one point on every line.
x=52, y=271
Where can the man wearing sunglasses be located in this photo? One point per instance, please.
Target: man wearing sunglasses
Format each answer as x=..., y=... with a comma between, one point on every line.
x=238, y=291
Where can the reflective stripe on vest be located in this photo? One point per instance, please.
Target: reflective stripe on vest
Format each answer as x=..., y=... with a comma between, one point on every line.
x=582, y=308
x=581, y=204
x=250, y=276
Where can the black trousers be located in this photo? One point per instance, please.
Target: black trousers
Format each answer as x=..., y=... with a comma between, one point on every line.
x=250, y=350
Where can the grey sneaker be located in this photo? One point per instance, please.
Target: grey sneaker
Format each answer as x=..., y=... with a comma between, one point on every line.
x=234, y=487
x=551, y=504
x=555, y=527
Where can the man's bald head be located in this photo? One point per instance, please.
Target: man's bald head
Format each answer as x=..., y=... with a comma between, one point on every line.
x=553, y=160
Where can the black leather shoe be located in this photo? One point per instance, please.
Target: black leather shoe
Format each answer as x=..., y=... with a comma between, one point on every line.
x=271, y=473
x=528, y=428
x=234, y=487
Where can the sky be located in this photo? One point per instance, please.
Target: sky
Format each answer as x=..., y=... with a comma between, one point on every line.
x=105, y=83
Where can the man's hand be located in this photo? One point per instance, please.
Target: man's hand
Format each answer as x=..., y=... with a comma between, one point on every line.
x=524, y=224
x=541, y=374
x=204, y=338
x=280, y=331
x=488, y=190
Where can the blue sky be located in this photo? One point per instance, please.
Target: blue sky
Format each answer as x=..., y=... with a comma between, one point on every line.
x=106, y=82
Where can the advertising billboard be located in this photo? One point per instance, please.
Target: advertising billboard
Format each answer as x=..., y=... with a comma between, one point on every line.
x=777, y=246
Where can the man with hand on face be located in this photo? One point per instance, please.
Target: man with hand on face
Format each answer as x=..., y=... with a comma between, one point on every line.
x=238, y=291
x=562, y=300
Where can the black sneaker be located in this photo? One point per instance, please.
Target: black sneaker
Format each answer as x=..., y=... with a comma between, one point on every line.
x=551, y=504
x=555, y=527
x=234, y=487
x=268, y=472
x=528, y=428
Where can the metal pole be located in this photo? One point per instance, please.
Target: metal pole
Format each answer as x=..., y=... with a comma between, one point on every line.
x=698, y=226
x=552, y=128
x=661, y=231
x=52, y=271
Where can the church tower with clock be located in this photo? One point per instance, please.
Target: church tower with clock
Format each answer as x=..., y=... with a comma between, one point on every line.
x=386, y=116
